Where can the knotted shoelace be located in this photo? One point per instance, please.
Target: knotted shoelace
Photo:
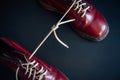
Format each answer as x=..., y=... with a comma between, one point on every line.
x=31, y=66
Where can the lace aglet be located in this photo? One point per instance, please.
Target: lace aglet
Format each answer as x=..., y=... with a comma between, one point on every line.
x=67, y=46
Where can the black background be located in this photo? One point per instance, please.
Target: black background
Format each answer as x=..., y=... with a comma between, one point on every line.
x=26, y=22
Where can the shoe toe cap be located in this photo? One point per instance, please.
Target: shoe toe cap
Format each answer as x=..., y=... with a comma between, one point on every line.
x=98, y=29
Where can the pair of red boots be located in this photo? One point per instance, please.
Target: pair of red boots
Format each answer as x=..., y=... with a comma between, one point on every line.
x=87, y=21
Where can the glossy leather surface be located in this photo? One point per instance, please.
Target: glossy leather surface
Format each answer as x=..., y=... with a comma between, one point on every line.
x=11, y=53
x=92, y=26
x=27, y=22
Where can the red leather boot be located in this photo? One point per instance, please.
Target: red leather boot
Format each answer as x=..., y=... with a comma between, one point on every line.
x=18, y=59
x=89, y=22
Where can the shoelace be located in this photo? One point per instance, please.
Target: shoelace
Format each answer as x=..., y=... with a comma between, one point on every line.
x=31, y=70
x=31, y=66
x=80, y=7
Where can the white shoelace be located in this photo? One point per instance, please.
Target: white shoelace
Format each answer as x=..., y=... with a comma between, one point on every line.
x=31, y=70
x=60, y=22
x=31, y=66
x=80, y=7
